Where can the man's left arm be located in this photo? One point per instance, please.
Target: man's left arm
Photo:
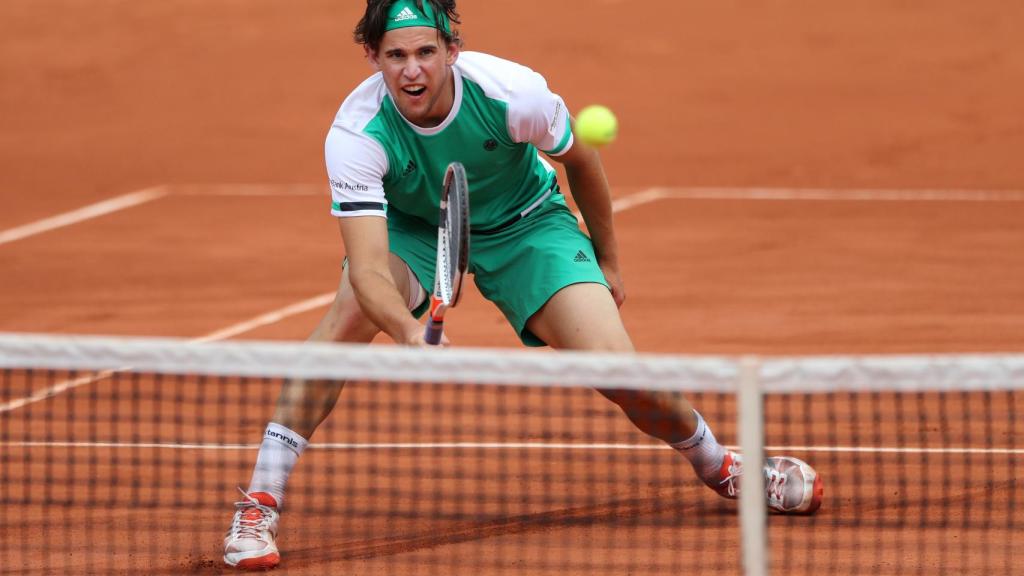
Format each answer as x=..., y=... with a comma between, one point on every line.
x=589, y=188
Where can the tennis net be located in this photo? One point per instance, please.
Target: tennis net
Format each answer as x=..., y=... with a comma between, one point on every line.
x=124, y=455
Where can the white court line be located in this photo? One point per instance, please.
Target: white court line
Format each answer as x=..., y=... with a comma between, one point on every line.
x=252, y=190
x=632, y=200
x=656, y=193
x=268, y=318
x=84, y=213
x=515, y=446
x=673, y=192
x=148, y=195
x=121, y=203
x=50, y=391
x=828, y=195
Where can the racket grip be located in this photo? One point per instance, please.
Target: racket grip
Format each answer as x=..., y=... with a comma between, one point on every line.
x=434, y=331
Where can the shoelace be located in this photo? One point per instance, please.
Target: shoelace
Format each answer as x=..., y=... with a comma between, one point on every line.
x=775, y=482
x=251, y=518
x=731, y=481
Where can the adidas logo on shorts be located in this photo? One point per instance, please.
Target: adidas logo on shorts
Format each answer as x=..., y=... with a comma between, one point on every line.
x=581, y=257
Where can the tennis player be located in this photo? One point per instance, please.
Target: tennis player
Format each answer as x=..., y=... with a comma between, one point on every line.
x=430, y=103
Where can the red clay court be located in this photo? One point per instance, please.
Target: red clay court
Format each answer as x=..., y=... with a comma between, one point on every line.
x=790, y=178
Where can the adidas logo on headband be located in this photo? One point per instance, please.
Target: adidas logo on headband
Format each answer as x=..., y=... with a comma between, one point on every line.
x=405, y=14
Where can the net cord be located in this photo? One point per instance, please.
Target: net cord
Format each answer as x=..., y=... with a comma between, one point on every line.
x=686, y=373
x=360, y=362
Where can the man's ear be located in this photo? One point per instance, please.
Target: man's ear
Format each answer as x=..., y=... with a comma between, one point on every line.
x=453, y=53
x=371, y=57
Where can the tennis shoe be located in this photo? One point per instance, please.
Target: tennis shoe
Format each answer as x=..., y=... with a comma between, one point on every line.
x=791, y=486
x=249, y=543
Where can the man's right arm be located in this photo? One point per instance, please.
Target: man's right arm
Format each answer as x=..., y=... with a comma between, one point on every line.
x=366, y=244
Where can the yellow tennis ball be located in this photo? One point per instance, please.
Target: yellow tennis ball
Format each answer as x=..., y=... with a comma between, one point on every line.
x=596, y=125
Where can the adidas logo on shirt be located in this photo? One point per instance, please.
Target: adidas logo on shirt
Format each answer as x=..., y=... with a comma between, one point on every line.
x=581, y=257
x=405, y=14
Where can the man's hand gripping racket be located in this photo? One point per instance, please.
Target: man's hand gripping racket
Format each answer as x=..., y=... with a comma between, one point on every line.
x=452, y=250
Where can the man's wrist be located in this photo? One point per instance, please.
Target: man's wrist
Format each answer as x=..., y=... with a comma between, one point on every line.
x=408, y=332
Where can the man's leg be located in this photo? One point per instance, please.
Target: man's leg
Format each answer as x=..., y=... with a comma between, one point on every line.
x=301, y=406
x=584, y=317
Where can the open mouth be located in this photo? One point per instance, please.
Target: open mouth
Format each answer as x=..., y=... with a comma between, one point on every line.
x=415, y=90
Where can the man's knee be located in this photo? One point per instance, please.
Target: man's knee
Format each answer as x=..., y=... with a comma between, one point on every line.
x=345, y=321
x=353, y=325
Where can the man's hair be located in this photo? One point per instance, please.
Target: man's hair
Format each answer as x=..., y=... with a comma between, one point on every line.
x=372, y=27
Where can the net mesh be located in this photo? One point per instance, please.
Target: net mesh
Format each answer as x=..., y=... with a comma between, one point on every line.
x=920, y=457
x=121, y=456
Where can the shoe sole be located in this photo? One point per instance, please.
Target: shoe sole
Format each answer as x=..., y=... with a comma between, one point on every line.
x=817, y=492
x=817, y=495
x=268, y=562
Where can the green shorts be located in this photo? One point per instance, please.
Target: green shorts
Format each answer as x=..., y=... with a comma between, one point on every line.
x=519, y=268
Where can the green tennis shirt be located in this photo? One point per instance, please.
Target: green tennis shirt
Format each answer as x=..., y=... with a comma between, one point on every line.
x=503, y=114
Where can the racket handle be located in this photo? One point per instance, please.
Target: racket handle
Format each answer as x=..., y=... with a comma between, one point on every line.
x=434, y=331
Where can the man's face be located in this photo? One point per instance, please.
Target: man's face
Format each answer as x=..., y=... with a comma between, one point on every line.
x=416, y=64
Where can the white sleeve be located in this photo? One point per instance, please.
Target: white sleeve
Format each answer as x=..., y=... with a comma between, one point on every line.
x=356, y=165
x=539, y=116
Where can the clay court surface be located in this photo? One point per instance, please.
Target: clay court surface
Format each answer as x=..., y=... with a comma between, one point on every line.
x=791, y=178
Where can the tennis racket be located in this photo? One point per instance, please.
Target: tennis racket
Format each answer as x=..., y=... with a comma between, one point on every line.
x=452, y=249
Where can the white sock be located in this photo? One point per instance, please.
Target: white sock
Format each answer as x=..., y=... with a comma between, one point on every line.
x=279, y=452
x=703, y=451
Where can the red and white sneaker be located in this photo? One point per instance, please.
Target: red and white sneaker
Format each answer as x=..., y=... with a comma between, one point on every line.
x=249, y=543
x=792, y=486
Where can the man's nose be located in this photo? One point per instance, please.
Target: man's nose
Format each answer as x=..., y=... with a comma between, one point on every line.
x=412, y=68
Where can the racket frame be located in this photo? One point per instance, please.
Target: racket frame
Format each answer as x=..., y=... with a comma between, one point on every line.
x=452, y=250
